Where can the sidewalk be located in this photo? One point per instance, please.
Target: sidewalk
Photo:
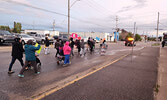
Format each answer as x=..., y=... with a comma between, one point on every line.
x=162, y=75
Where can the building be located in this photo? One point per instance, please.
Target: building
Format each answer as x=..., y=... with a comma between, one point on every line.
x=143, y=37
x=43, y=32
x=107, y=36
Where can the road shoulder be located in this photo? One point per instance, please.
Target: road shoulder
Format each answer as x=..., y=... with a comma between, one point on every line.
x=162, y=75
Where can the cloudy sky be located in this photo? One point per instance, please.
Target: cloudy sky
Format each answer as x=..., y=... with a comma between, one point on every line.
x=86, y=15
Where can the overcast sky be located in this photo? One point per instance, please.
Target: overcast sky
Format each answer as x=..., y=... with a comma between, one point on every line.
x=86, y=15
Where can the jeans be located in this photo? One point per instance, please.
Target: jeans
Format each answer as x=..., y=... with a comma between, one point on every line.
x=13, y=61
x=67, y=59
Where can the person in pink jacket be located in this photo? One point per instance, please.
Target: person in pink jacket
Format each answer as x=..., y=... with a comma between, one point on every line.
x=67, y=51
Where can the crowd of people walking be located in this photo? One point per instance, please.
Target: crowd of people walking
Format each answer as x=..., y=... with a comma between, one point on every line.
x=64, y=49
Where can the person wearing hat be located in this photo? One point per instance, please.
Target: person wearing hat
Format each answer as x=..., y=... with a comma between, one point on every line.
x=17, y=53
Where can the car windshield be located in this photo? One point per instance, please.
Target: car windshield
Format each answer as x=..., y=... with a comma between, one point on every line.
x=4, y=32
x=25, y=36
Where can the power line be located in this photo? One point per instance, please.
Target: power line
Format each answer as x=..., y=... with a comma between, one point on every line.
x=95, y=8
x=93, y=2
x=45, y=10
x=34, y=7
x=163, y=24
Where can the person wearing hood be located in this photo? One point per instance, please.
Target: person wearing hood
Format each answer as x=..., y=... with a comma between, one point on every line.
x=30, y=57
x=17, y=53
x=67, y=52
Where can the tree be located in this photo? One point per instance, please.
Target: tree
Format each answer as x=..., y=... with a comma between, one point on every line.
x=6, y=28
x=138, y=37
x=17, y=27
x=120, y=37
x=129, y=35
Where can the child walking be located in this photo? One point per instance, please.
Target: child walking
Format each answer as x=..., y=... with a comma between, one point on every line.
x=67, y=51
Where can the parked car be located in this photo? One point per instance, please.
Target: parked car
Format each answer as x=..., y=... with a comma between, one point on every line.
x=6, y=37
x=39, y=38
x=64, y=37
x=25, y=38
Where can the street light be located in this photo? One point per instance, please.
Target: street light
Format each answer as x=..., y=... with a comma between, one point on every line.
x=69, y=14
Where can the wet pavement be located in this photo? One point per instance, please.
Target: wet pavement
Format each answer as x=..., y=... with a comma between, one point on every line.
x=52, y=75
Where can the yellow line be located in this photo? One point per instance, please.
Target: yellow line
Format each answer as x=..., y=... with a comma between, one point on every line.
x=56, y=89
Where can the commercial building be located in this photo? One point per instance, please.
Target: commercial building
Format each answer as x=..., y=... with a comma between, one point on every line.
x=95, y=35
x=43, y=32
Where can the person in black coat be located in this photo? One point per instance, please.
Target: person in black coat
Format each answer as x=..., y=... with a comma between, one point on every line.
x=78, y=44
x=47, y=45
x=57, y=45
x=17, y=53
x=72, y=43
x=163, y=43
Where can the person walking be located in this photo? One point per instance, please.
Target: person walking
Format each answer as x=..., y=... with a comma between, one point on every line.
x=82, y=53
x=91, y=46
x=57, y=45
x=17, y=53
x=78, y=46
x=163, y=43
x=47, y=45
x=30, y=57
x=72, y=43
x=67, y=51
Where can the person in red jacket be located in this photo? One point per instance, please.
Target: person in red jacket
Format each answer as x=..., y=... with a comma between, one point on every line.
x=67, y=52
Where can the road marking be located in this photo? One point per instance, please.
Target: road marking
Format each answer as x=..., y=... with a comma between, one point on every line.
x=75, y=80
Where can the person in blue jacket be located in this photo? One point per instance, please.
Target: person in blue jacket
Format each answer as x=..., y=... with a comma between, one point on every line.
x=30, y=57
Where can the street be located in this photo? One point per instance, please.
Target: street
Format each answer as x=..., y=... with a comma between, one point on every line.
x=128, y=78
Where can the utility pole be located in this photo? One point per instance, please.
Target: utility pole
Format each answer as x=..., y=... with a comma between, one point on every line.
x=68, y=17
x=157, y=27
x=133, y=41
x=54, y=25
x=116, y=28
x=136, y=29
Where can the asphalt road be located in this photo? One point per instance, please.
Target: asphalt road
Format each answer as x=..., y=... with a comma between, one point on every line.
x=14, y=88
x=123, y=80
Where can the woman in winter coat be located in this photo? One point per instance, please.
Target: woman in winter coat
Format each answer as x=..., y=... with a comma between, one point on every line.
x=67, y=51
x=17, y=53
x=30, y=57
